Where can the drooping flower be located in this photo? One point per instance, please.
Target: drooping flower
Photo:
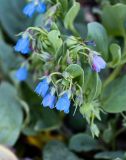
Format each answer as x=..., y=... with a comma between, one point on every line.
x=49, y=100
x=22, y=73
x=29, y=9
x=63, y=103
x=42, y=88
x=98, y=63
x=41, y=7
x=23, y=45
x=33, y=6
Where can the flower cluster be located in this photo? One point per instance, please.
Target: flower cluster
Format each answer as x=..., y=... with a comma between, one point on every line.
x=53, y=52
x=43, y=89
x=49, y=99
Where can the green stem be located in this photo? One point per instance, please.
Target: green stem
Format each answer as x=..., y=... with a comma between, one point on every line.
x=55, y=73
x=124, y=50
x=38, y=29
x=112, y=76
x=118, y=69
x=119, y=132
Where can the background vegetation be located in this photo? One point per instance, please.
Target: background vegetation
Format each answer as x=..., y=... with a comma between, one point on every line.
x=39, y=133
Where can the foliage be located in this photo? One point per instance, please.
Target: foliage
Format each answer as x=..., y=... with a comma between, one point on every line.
x=59, y=47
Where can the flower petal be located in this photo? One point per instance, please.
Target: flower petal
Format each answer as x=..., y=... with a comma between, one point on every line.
x=42, y=88
x=63, y=103
x=29, y=9
x=22, y=74
x=49, y=101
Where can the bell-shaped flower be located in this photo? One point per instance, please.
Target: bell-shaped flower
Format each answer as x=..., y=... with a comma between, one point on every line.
x=41, y=7
x=98, y=63
x=49, y=100
x=42, y=88
x=29, y=9
x=63, y=103
x=23, y=45
x=22, y=73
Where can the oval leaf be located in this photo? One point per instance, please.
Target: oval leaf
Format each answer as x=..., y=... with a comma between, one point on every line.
x=55, y=39
x=116, y=55
x=70, y=17
x=113, y=98
x=11, y=115
x=92, y=85
x=14, y=21
x=83, y=142
x=98, y=33
x=114, y=23
x=59, y=151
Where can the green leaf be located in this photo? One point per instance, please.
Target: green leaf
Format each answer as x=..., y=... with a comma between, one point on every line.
x=61, y=52
x=116, y=55
x=70, y=17
x=11, y=116
x=113, y=18
x=83, y=142
x=55, y=39
x=76, y=72
x=14, y=21
x=113, y=98
x=82, y=29
x=103, y=2
x=92, y=84
x=39, y=21
x=109, y=155
x=80, y=24
x=39, y=120
x=59, y=151
x=98, y=33
x=7, y=57
x=64, y=5
x=1, y=34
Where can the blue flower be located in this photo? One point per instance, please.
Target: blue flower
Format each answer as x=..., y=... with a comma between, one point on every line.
x=98, y=63
x=23, y=45
x=49, y=100
x=63, y=103
x=33, y=6
x=42, y=88
x=22, y=73
x=29, y=9
x=41, y=7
